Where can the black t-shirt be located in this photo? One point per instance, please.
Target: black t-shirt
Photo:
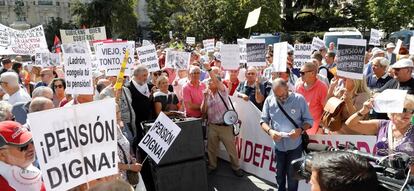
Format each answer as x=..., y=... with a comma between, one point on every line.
x=165, y=99
x=394, y=84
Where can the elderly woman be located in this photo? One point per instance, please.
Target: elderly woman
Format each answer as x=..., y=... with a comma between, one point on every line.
x=5, y=111
x=164, y=100
x=58, y=85
x=394, y=135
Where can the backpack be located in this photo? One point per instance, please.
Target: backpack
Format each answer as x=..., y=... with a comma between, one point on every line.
x=330, y=74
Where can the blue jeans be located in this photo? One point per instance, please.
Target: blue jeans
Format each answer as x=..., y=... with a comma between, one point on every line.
x=283, y=168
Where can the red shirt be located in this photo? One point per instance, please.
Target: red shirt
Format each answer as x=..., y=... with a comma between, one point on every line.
x=233, y=87
x=193, y=94
x=4, y=185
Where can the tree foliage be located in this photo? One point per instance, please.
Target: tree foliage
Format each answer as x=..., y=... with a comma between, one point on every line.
x=211, y=18
x=118, y=17
x=52, y=28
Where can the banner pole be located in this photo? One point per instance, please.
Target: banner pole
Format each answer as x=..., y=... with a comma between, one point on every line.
x=144, y=160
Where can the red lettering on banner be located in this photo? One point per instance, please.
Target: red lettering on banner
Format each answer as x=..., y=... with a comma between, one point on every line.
x=364, y=145
x=256, y=154
x=246, y=157
x=265, y=156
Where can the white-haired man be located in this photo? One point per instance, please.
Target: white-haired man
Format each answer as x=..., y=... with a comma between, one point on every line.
x=9, y=82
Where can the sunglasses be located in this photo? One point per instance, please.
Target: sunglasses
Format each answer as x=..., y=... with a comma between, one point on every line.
x=304, y=72
x=58, y=86
x=43, y=75
x=405, y=110
x=157, y=74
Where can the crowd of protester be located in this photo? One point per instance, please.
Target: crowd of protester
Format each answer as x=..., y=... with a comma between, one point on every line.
x=202, y=91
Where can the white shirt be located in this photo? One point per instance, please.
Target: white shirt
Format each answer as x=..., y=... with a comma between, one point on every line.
x=143, y=89
x=20, y=96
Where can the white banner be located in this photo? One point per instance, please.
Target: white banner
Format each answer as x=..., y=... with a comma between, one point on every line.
x=46, y=59
x=78, y=66
x=411, y=45
x=242, y=48
x=280, y=56
x=255, y=148
x=21, y=42
x=351, y=56
x=208, y=45
x=397, y=47
x=177, y=59
x=375, y=37
x=256, y=52
x=302, y=54
x=111, y=54
x=253, y=18
x=147, y=55
x=91, y=34
x=317, y=43
x=190, y=40
x=75, y=144
x=160, y=137
x=230, y=56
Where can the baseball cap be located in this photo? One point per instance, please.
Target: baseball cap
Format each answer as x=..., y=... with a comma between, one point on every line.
x=390, y=45
x=217, y=56
x=13, y=133
x=403, y=63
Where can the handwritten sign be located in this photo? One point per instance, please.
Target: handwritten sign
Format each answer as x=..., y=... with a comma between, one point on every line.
x=317, y=43
x=91, y=34
x=190, y=40
x=351, y=55
x=375, y=37
x=147, y=55
x=21, y=42
x=256, y=52
x=302, y=54
x=209, y=45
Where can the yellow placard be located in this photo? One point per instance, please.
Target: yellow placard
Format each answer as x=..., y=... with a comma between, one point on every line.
x=120, y=78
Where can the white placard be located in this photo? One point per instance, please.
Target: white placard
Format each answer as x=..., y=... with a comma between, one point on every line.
x=146, y=42
x=253, y=18
x=78, y=70
x=412, y=45
x=317, y=43
x=209, y=45
x=280, y=56
x=147, y=55
x=390, y=101
x=91, y=34
x=397, y=47
x=42, y=57
x=302, y=54
x=55, y=59
x=111, y=54
x=218, y=44
x=160, y=137
x=375, y=37
x=21, y=42
x=75, y=144
x=190, y=40
x=256, y=52
x=350, y=57
x=177, y=60
x=242, y=48
x=230, y=56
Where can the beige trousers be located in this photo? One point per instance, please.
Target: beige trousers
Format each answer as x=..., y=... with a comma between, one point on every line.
x=224, y=134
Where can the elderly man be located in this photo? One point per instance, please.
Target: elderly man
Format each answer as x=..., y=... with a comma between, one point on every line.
x=215, y=104
x=380, y=76
x=40, y=104
x=10, y=84
x=233, y=82
x=21, y=109
x=285, y=132
x=7, y=65
x=330, y=60
x=193, y=93
x=376, y=52
x=6, y=111
x=402, y=77
x=16, y=157
x=46, y=75
x=389, y=55
x=252, y=89
x=314, y=91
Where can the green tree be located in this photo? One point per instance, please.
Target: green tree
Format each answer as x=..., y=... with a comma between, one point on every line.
x=52, y=28
x=391, y=15
x=118, y=17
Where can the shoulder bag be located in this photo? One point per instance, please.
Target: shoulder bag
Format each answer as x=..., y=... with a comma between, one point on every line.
x=132, y=176
x=331, y=116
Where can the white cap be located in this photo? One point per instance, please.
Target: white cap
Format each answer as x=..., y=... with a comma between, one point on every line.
x=403, y=63
x=390, y=45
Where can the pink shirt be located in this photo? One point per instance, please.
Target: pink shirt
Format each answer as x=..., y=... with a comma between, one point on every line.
x=193, y=94
x=316, y=99
x=216, y=107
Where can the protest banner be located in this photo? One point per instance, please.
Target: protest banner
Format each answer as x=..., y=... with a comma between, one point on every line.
x=242, y=49
x=218, y=44
x=375, y=37
x=230, y=56
x=177, y=60
x=280, y=56
x=42, y=57
x=397, y=47
x=147, y=56
x=209, y=45
x=190, y=40
x=411, y=51
x=160, y=137
x=351, y=55
x=255, y=148
x=317, y=43
x=389, y=101
x=78, y=66
x=302, y=54
x=256, y=52
x=253, y=18
x=91, y=34
x=21, y=42
x=76, y=144
x=110, y=55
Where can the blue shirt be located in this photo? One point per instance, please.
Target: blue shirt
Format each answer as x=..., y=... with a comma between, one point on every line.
x=251, y=92
x=297, y=108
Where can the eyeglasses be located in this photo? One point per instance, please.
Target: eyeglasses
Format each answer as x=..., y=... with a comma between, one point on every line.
x=157, y=74
x=398, y=69
x=58, y=86
x=251, y=73
x=3, y=82
x=405, y=110
x=43, y=75
x=303, y=73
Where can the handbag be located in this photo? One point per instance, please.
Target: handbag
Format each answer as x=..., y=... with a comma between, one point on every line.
x=331, y=116
x=132, y=176
x=230, y=117
x=304, y=137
